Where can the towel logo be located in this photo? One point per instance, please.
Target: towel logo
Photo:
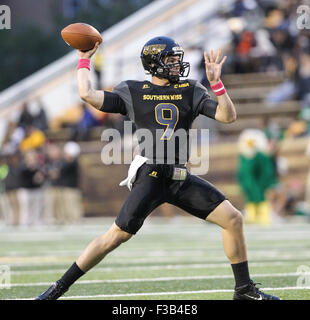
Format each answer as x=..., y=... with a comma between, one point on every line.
x=153, y=174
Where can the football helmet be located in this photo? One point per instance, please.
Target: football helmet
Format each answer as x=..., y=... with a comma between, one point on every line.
x=153, y=56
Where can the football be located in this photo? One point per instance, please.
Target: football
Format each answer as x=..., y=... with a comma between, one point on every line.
x=81, y=36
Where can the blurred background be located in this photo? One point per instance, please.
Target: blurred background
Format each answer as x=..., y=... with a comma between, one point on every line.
x=50, y=159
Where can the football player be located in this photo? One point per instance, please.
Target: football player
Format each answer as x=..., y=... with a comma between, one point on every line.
x=167, y=103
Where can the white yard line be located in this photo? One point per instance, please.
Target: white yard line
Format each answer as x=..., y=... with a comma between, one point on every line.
x=83, y=282
x=175, y=293
x=164, y=267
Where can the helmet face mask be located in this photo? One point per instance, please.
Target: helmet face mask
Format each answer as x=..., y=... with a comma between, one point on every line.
x=155, y=59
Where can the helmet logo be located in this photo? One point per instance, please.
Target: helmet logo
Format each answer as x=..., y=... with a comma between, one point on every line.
x=153, y=49
x=177, y=50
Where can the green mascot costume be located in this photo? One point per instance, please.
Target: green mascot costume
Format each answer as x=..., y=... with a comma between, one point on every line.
x=256, y=174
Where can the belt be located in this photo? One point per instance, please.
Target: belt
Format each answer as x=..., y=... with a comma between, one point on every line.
x=179, y=173
x=174, y=172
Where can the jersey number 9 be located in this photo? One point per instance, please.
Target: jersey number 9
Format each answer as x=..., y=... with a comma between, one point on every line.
x=167, y=114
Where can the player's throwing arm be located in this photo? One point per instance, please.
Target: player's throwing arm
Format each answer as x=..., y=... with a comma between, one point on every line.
x=86, y=92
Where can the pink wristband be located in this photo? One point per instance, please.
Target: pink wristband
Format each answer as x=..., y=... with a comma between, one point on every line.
x=218, y=88
x=84, y=63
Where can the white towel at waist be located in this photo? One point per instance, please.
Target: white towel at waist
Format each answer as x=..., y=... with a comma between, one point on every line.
x=137, y=162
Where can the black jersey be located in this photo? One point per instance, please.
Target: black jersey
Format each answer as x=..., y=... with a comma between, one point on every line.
x=167, y=112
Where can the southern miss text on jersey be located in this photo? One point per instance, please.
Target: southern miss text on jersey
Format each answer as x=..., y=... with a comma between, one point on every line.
x=166, y=111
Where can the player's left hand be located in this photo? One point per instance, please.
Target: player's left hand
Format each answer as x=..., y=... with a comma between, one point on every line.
x=214, y=66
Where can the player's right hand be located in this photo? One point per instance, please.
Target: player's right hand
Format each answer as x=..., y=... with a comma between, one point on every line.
x=88, y=54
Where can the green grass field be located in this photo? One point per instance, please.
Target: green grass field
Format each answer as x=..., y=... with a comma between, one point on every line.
x=177, y=258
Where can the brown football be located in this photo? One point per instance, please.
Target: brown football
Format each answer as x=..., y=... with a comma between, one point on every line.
x=81, y=36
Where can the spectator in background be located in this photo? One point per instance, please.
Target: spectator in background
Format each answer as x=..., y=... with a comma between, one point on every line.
x=244, y=45
x=72, y=199
x=30, y=195
x=12, y=184
x=303, y=76
x=28, y=131
x=297, y=82
x=54, y=208
x=16, y=131
x=276, y=26
x=301, y=84
x=63, y=196
x=287, y=89
x=34, y=138
x=25, y=119
x=82, y=128
x=40, y=119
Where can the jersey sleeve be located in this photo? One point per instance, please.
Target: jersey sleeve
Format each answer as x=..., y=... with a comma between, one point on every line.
x=119, y=100
x=202, y=102
x=113, y=103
